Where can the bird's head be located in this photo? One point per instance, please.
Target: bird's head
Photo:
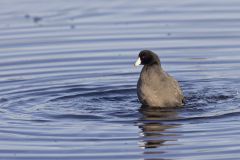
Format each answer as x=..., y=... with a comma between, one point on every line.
x=147, y=57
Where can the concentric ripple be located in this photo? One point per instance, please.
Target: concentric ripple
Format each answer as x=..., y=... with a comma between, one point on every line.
x=68, y=85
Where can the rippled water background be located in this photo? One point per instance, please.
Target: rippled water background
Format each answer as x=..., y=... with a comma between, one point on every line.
x=68, y=85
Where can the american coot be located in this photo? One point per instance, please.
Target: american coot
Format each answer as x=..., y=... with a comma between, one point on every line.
x=155, y=87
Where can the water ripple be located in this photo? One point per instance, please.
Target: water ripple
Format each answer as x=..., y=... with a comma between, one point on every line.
x=68, y=88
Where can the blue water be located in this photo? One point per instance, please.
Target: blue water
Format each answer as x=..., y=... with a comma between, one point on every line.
x=68, y=85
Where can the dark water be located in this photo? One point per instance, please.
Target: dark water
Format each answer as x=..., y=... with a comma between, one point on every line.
x=68, y=85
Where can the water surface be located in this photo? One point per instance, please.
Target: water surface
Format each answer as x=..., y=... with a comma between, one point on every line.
x=68, y=85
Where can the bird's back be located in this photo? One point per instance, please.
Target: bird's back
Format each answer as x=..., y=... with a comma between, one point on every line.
x=158, y=89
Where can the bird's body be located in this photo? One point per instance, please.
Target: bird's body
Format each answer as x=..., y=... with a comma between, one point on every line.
x=155, y=87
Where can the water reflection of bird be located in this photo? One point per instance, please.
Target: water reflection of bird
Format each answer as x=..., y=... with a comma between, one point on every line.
x=155, y=87
x=153, y=129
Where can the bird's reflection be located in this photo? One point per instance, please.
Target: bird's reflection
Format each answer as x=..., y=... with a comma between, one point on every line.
x=155, y=125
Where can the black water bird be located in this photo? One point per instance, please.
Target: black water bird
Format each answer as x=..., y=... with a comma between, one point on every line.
x=155, y=87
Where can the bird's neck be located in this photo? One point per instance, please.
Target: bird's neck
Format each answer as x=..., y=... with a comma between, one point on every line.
x=153, y=70
x=153, y=67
